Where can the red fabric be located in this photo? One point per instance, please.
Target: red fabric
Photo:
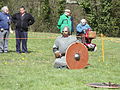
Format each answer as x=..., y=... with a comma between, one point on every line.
x=88, y=40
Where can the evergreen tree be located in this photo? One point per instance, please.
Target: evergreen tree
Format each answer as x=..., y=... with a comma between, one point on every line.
x=100, y=16
x=1, y=4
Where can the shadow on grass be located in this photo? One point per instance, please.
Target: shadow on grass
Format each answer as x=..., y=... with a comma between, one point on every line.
x=11, y=51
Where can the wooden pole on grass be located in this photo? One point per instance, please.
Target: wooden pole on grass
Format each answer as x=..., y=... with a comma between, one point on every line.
x=102, y=47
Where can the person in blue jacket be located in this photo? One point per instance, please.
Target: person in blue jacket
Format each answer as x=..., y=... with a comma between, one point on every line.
x=82, y=27
x=4, y=29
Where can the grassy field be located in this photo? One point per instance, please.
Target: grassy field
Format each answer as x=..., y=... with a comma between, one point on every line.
x=34, y=71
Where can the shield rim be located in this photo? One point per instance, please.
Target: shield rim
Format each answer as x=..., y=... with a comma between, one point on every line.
x=87, y=54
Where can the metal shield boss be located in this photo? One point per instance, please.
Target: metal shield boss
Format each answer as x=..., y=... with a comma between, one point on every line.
x=76, y=56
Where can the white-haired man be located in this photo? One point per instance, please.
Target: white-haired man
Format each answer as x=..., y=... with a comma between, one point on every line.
x=82, y=26
x=60, y=46
x=66, y=20
x=82, y=30
x=4, y=29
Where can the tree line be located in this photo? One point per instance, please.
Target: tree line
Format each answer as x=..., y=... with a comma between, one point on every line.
x=102, y=15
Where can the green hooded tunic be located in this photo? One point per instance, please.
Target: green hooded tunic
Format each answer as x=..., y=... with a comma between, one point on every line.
x=64, y=21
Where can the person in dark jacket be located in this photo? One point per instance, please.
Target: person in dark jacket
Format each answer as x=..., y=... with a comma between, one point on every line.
x=4, y=29
x=22, y=21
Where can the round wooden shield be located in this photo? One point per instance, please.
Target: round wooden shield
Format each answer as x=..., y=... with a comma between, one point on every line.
x=77, y=56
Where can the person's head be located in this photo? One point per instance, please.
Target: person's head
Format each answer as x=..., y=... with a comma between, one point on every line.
x=83, y=21
x=67, y=12
x=22, y=10
x=5, y=9
x=66, y=31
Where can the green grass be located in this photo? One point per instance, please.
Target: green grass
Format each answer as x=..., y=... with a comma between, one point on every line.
x=34, y=71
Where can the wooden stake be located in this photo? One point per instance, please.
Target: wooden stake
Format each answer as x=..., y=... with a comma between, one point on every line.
x=102, y=47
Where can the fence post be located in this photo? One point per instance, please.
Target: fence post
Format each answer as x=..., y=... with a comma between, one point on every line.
x=102, y=39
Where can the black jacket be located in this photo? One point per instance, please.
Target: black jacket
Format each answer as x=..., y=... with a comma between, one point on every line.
x=22, y=23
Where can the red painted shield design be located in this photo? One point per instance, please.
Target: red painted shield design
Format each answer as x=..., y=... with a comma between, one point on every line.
x=77, y=56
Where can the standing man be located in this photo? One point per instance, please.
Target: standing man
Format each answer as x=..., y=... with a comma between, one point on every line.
x=22, y=21
x=4, y=29
x=65, y=20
